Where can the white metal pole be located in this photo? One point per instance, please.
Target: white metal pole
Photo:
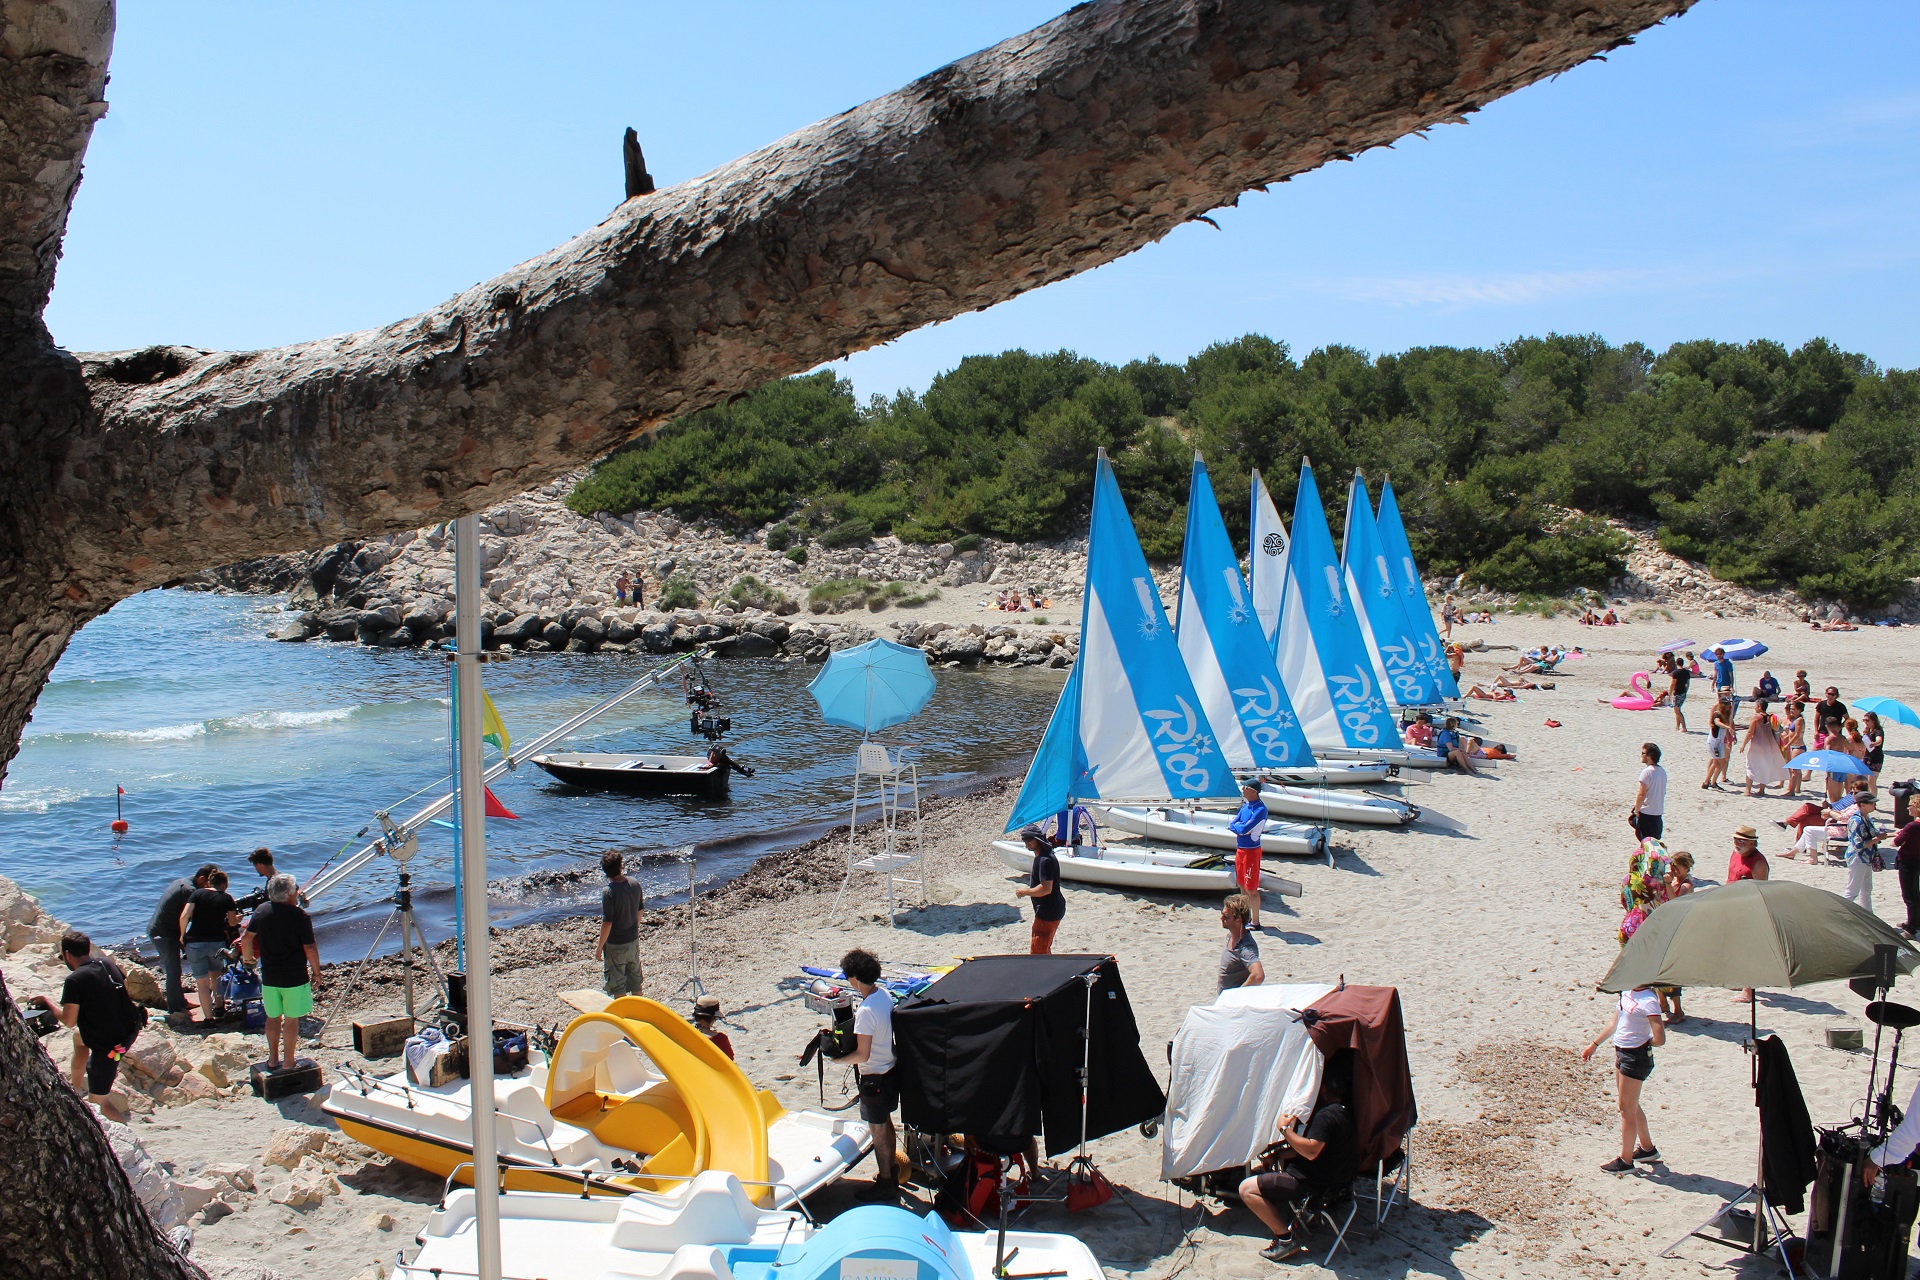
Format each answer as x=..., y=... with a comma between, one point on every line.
x=473, y=880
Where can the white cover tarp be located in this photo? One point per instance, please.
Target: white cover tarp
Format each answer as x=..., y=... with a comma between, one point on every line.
x=1239, y=1064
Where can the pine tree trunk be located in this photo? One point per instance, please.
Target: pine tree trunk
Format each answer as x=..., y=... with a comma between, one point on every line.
x=68, y=1211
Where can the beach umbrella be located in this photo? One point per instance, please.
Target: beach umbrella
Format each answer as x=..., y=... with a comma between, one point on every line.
x=1890, y=709
x=1741, y=650
x=1825, y=761
x=873, y=685
x=1755, y=933
x=1676, y=646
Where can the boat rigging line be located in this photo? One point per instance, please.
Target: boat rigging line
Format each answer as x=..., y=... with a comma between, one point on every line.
x=399, y=835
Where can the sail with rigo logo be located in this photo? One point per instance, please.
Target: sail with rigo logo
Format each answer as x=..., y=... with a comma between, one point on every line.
x=1320, y=651
x=1226, y=649
x=1398, y=663
x=1129, y=724
x=1413, y=593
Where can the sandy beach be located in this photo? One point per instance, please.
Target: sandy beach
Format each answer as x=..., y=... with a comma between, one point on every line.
x=1494, y=915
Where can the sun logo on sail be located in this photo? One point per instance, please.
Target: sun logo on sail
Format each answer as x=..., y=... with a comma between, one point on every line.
x=1273, y=545
x=1386, y=578
x=1149, y=614
x=1334, y=607
x=1239, y=613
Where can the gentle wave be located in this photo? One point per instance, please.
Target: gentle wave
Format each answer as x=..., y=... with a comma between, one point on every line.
x=248, y=722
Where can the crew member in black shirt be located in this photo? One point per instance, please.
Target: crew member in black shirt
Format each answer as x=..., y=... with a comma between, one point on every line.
x=280, y=935
x=208, y=923
x=1829, y=710
x=619, y=948
x=1320, y=1157
x=1043, y=886
x=94, y=1001
x=164, y=929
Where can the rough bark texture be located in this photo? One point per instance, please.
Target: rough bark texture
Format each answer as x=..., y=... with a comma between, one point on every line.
x=1054, y=152
x=68, y=1210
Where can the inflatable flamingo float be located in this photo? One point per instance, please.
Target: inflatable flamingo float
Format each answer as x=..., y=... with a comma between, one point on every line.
x=1641, y=699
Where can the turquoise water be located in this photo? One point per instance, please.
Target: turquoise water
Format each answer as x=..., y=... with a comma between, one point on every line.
x=226, y=741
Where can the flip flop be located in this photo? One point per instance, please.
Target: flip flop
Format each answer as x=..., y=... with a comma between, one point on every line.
x=1553, y=724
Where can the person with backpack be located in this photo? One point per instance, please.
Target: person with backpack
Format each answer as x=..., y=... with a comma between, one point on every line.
x=94, y=1001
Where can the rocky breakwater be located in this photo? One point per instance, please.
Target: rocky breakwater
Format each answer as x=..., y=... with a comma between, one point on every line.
x=550, y=577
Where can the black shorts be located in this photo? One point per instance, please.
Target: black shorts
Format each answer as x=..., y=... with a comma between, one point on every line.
x=1634, y=1064
x=1279, y=1187
x=103, y=1068
x=879, y=1095
x=1648, y=826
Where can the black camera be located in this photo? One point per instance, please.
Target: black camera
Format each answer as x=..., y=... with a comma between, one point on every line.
x=710, y=727
x=252, y=900
x=42, y=1022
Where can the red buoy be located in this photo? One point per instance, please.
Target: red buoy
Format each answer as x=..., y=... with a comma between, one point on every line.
x=119, y=824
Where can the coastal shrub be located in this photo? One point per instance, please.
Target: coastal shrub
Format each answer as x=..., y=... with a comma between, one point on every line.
x=1774, y=466
x=797, y=554
x=749, y=592
x=839, y=595
x=677, y=592
x=846, y=533
x=780, y=537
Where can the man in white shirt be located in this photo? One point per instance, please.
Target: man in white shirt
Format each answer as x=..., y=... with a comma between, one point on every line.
x=1648, y=815
x=879, y=1091
x=1900, y=1144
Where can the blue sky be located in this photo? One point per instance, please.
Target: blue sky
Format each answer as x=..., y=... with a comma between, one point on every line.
x=273, y=173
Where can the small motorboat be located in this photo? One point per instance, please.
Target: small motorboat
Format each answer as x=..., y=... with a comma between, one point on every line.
x=641, y=775
x=1322, y=805
x=633, y=1098
x=711, y=1229
x=1127, y=866
x=1208, y=829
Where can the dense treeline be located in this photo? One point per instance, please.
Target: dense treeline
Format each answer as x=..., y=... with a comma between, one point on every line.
x=1774, y=467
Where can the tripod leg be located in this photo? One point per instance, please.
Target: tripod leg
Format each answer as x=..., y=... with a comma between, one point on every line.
x=353, y=979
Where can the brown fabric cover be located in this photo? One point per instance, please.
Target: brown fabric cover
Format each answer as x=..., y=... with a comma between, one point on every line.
x=1367, y=1020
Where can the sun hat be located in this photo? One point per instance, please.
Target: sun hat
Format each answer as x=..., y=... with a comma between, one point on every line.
x=707, y=1007
x=1746, y=833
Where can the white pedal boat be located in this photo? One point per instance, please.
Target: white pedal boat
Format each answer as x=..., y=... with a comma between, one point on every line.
x=635, y=1098
x=1344, y=773
x=1121, y=866
x=1208, y=829
x=1338, y=806
x=710, y=1229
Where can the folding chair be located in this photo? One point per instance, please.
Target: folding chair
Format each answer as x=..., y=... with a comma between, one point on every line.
x=1392, y=1182
x=1336, y=1208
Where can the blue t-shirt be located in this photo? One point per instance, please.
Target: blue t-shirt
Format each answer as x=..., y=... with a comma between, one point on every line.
x=1723, y=673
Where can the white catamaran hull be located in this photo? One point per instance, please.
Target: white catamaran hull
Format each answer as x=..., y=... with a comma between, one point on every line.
x=1335, y=806
x=1208, y=829
x=1348, y=773
x=1399, y=759
x=1121, y=868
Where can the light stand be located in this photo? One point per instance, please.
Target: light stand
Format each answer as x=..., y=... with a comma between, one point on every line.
x=400, y=846
x=1000, y=1255
x=1770, y=1228
x=693, y=953
x=1081, y=1167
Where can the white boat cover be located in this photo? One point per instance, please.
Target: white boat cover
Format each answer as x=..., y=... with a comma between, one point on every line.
x=1239, y=1064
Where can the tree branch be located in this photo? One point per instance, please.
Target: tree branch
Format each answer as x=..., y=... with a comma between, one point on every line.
x=1046, y=155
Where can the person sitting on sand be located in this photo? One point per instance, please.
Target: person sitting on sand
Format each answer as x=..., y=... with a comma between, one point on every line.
x=1609, y=618
x=1766, y=687
x=1448, y=746
x=1498, y=693
x=1479, y=750
x=1420, y=732
x=706, y=1012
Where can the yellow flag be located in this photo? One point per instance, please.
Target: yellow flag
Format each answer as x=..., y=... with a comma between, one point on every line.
x=494, y=729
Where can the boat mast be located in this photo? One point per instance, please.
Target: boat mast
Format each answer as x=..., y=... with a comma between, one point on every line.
x=473, y=880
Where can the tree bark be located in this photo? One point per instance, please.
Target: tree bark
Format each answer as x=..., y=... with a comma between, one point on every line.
x=68, y=1210
x=1053, y=152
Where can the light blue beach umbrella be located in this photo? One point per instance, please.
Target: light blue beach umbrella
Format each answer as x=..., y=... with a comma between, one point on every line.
x=873, y=685
x=1742, y=650
x=1890, y=709
x=1824, y=761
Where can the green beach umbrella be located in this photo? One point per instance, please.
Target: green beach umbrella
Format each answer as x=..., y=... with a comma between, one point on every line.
x=1770, y=934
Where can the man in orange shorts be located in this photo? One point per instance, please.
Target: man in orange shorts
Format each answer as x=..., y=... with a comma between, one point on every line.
x=1043, y=886
x=1247, y=826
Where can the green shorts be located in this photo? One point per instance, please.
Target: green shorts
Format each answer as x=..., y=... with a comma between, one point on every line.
x=288, y=1002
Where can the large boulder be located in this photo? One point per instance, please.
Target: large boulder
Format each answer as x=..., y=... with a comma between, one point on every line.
x=524, y=627
x=556, y=635
x=374, y=623
x=340, y=624
x=398, y=638
x=621, y=632
x=748, y=644
x=956, y=646
x=657, y=637
x=588, y=634
x=772, y=628
x=144, y=985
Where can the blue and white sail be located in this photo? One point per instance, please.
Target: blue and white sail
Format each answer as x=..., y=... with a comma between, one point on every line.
x=1413, y=594
x=1320, y=652
x=1226, y=650
x=1398, y=663
x=1267, y=559
x=1129, y=725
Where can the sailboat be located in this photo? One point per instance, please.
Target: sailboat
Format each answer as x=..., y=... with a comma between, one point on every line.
x=1413, y=593
x=1398, y=663
x=1130, y=727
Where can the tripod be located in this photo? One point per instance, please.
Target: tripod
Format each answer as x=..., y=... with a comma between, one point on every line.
x=693, y=954
x=410, y=936
x=1081, y=1168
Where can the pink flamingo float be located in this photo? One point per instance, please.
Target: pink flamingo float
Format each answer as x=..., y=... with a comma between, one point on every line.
x=1641, y=699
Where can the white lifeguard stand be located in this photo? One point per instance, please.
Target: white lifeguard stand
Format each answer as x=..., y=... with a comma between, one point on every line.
x=891, y=780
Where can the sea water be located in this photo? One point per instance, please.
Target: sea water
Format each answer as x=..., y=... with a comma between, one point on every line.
x=226, y=740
